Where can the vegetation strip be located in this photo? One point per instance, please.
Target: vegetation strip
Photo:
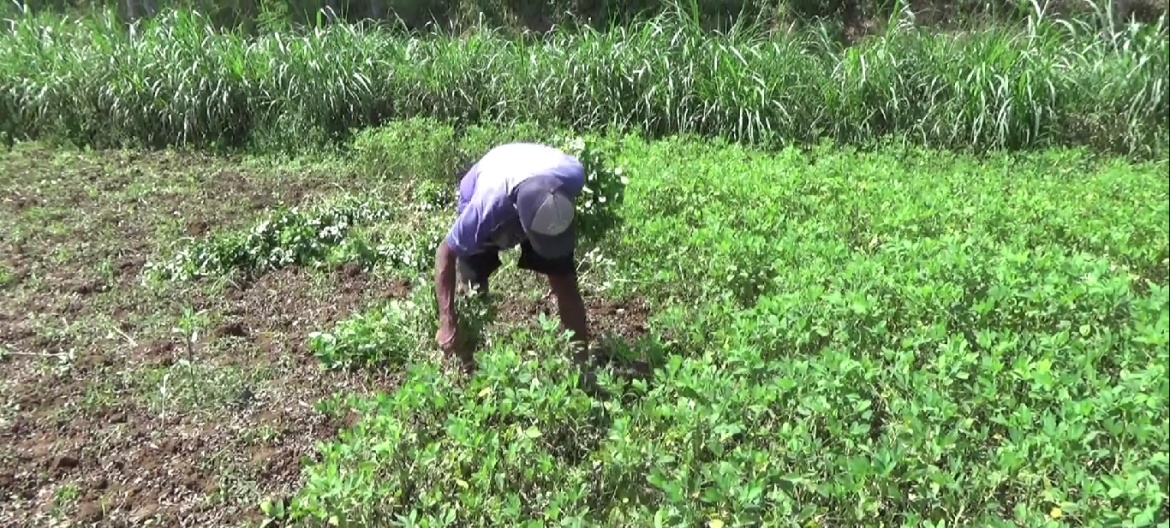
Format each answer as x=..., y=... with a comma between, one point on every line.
x=175, y=80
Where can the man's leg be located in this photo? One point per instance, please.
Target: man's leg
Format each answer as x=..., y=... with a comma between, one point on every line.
x=562, y=278
x=474, y=272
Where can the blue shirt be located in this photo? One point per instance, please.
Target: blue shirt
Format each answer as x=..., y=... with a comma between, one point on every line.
x=486, y=217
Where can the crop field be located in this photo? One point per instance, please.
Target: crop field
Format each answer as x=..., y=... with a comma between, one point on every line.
x=960, y=321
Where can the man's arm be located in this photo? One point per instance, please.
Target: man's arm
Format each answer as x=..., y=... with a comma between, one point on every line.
x=572, y=309
x=445, y=294
x=467, y=235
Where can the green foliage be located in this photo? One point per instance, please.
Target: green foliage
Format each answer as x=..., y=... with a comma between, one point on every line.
x=287, y=236
x=371, y=231
x=493, y=450
x=420, y=149
x=604, y=191
x=396, y=333
x=1044, y=84
x=899, y=338
x=380, y=336
x=516, y=17
x=750, y=223
x=410, y=247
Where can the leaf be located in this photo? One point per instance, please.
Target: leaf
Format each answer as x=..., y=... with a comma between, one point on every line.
x=532, y=432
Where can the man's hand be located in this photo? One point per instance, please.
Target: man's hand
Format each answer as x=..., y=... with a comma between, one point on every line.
x=447, y=336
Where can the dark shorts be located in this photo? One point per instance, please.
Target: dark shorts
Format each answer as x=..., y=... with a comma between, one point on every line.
x=480, y=266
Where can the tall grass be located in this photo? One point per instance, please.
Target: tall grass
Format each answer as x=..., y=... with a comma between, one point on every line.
x=176, y=80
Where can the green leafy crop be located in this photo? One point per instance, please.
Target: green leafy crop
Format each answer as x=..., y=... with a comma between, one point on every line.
x=604, y=190
x=382, y=335
x=286, y=236
x=895, y=338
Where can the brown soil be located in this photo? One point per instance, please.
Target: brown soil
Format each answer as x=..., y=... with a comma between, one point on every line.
x=101, y=418
x=626, y=319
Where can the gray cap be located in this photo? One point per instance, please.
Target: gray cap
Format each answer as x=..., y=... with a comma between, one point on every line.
x=547, y=216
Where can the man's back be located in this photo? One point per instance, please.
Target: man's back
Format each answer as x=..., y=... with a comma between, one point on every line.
x=484, y=208
x=499, y=171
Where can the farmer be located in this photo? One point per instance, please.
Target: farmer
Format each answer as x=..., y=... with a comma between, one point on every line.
x=516, y=194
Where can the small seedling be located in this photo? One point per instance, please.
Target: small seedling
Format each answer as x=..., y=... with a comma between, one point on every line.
x=189, y=327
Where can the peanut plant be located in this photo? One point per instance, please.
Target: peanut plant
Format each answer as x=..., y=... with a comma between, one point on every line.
x=902, y=337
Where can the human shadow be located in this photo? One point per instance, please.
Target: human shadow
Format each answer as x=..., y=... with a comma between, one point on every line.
x=629, y=362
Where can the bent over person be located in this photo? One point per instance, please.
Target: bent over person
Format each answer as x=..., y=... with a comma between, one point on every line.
x=516, y=194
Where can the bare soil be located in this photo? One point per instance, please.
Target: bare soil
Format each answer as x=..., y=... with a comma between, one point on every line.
x=106, y=415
